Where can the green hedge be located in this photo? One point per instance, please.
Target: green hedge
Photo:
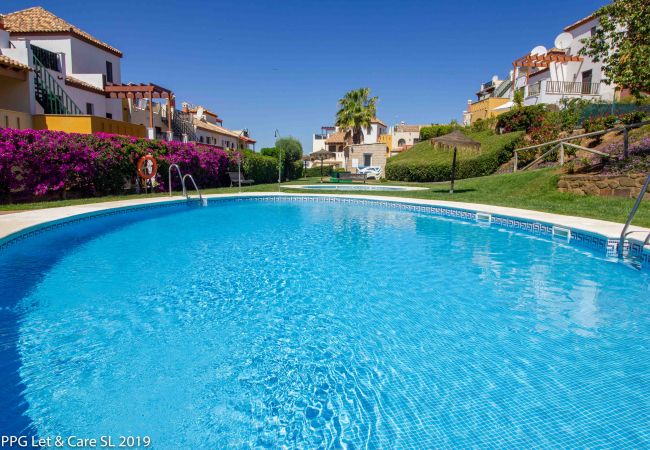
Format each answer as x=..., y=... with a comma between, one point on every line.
x=425, y=163
x=262, y=169
x=314, y=171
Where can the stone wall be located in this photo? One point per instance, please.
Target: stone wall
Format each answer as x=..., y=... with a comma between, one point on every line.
x=628, y=185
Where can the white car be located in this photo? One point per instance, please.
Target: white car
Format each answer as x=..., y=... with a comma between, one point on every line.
x=371, y=171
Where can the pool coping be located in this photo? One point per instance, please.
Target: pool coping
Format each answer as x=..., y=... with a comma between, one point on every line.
x=599, y=234
x=337, y=186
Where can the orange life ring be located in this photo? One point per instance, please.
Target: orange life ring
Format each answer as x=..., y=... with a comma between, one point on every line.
x=154, y=167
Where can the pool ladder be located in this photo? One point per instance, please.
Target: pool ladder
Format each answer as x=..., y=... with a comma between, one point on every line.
x=203, y=201
x=625, y=233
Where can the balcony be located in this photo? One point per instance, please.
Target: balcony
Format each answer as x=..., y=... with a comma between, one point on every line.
x=573, y=88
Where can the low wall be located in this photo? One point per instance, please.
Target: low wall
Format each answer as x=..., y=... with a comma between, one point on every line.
x=628, y=185
x=87, y=125
x=15, y=119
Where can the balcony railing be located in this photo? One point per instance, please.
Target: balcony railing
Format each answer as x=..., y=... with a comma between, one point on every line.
x=48, y=59
x=571, y=87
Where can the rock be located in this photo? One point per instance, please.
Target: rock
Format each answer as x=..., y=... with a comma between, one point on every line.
x=602, y=184
x=562, y=184
x=577, y=191
x=591, y=189
x=627, y=182
x=613, y=183
x=622, y=192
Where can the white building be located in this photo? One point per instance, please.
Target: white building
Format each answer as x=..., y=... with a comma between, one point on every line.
x=561, y=72
x=62, y=56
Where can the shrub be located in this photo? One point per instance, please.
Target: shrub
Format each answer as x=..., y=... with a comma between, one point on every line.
x=600, y=123
x=262, y=169
x=522, y=119
x=314, y=171
x=483, y=125
x=291, y=150
x=634, y=117
x=40, y=162
x=424, y=163
x=432, y=131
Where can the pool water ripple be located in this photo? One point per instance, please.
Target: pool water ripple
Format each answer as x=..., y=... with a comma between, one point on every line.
x=257, y=324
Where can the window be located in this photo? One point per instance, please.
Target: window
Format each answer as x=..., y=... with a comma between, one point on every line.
x=592, y=31
x=401, y=143
x=90, y=109
x=367, y=159
x=201, y=139
x=109, y=115
x=109, y=71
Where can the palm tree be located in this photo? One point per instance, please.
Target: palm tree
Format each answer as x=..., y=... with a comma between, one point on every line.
x=356, y=113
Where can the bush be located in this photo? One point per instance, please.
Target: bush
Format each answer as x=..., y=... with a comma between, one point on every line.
x=522, y=119
x=600, y=123
x=262, y=169
x=41, y=162
x=633, y=117
x=314, y=171
x=424, y=163
x=483, y=125
x=291, y=150
x=432, y=131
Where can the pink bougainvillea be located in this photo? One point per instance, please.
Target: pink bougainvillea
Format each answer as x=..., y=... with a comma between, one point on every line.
x=38, y=162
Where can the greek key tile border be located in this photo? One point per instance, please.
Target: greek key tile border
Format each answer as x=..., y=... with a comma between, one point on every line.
x=49, y=226
x=600, y=244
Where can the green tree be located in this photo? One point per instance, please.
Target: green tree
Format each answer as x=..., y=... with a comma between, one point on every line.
x=356, y=112
x=518, y=98
x=622, y=43
x=290, y=150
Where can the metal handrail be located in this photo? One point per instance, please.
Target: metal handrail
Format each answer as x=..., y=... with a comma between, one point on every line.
x=621, y=240
x=187, y=175
x=180, y=175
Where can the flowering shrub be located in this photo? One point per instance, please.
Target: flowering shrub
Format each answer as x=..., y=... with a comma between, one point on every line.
x=38, y=162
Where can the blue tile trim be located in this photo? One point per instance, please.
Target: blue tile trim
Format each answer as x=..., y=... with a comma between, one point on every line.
x=597, y=243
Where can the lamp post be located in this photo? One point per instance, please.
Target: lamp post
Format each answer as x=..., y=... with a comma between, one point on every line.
x=277, y=135
x=245, y=130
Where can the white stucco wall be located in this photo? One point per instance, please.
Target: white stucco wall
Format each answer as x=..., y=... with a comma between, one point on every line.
x=87, y=58
x=375, y=130
x=408, y=136
x=317, y=144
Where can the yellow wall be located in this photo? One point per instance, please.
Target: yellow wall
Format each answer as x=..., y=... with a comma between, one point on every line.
x=388, y=140
x=15, y=119
x=87, y=125
x=485, y=108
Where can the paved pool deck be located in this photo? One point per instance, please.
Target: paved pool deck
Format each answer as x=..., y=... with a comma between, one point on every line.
x=16, y=222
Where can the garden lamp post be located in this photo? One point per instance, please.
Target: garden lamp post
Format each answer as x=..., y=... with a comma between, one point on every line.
x=456, y=139
x=245, y=130
x=277, y=135
x=453, y=172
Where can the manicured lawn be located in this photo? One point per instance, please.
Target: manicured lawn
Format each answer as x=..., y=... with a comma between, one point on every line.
x=424, y=153
x=528, y=190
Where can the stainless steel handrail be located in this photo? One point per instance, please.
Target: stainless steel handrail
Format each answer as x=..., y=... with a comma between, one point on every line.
x=621, y=240
x=180, y=175
x=187, y=175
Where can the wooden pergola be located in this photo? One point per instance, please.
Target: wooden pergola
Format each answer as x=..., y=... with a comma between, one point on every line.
x=149, y=91
x=544, y=61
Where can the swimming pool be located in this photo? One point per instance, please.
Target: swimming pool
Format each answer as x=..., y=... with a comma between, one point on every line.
x=353, y=187
x=270, y=322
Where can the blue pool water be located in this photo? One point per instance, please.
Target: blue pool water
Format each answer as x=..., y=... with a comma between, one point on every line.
x=308, y=324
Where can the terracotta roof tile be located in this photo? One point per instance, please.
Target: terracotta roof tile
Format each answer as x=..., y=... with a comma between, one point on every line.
x=376, y=120
x=214, y=128
x=336, y=138
x=580, y=22
x=407, y=128
x=12, y=63
x=76, y=82
x=39, y=20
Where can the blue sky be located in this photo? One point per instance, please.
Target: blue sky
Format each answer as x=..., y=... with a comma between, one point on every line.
x=284, y=64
